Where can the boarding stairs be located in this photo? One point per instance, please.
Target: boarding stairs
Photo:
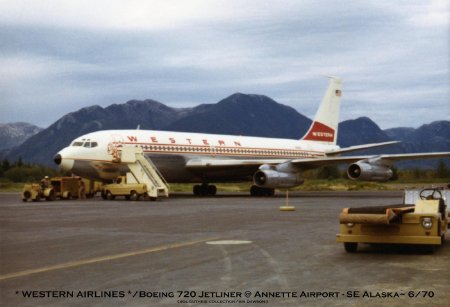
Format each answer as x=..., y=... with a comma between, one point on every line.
x=144, y=171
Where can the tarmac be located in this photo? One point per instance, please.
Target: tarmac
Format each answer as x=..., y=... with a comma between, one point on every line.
x=229, y=250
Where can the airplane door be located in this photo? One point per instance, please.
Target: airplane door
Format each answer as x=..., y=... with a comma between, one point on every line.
x=114, y=145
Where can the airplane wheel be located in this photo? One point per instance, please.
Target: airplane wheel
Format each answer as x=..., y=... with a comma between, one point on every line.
x=270, y=192
x=257, y=191
x=204, y=189
x=212, y=190
x=253, y=190
x=196, y=190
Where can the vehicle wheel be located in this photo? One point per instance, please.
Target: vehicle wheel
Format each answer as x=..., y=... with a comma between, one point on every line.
x=443, y=239
x=109, y=195
x=350, y=247
x=103, y=195
x=37, y=199
x=153, y=198
x=69, y=196
x=26, y=195
x=134, y=196
x=430, y=249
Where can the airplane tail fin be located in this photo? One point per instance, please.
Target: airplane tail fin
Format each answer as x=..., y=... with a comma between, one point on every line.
x=324, y=127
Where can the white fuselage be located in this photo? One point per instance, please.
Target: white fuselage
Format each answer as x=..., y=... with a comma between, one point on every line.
x=96, y=155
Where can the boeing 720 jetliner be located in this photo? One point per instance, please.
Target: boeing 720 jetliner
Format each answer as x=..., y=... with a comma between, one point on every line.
x=205, y=158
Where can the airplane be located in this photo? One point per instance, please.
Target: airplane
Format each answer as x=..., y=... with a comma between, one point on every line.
x=184, y=157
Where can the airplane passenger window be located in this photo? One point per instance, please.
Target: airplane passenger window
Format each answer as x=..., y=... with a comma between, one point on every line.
x=94, y=144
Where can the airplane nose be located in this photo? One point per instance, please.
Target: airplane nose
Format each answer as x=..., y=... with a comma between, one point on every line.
x=57, y=158
x=64, y=163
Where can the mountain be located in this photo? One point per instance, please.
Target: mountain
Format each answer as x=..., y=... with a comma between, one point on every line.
x=241, y=114
x=238, y=114
x=430, y=137
x=14, y=134
x=360, y=131
x=433, y=137
x=148, y=114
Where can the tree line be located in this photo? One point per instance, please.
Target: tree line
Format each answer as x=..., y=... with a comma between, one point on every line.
x=18, y=171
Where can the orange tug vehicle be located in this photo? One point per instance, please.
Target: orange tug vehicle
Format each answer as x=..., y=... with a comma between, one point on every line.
x=422, y=219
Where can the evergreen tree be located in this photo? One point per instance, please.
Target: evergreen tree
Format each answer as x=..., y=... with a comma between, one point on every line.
x=442, y=170
x=19, y=162
x=5, y=165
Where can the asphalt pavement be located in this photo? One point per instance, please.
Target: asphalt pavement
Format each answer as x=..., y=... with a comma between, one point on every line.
x=226, y=250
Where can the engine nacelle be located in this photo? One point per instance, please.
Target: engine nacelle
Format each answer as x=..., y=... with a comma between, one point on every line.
x=369, y=172
x=267, y=178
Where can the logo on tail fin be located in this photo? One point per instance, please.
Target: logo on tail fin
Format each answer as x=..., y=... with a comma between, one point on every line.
x=320, y=132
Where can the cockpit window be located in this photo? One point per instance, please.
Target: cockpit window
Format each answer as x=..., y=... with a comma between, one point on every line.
x=85, y=143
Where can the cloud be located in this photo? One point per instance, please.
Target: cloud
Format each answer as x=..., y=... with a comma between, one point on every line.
x=64, y=55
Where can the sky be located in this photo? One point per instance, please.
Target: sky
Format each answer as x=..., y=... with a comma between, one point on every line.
x=59, y=56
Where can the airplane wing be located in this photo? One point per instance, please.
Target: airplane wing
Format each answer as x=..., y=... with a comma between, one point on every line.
x=386, y=158
x=213, y=164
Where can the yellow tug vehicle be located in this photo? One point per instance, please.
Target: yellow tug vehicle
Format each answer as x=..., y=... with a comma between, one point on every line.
x=36, y=192
x=422, y=219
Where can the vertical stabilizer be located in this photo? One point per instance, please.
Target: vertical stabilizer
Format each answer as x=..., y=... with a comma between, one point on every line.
x=324, y=128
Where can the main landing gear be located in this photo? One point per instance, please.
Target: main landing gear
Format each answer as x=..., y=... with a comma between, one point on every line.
x=204, y=190
x=257, y=191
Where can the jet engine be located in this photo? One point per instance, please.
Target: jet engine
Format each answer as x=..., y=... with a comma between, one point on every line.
x=362, y=170
x=269, y=177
